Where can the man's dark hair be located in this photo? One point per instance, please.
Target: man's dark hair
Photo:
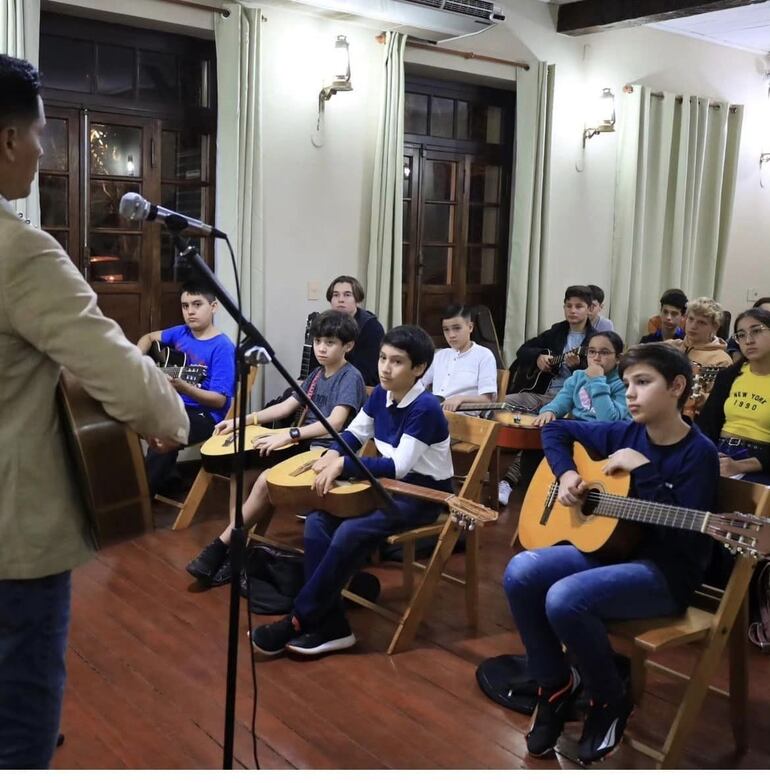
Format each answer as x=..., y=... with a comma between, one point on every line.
x=675, y=297
x=580, y=292
x=457, y=311
x=598, y=293
x=414, y=341
x=19, y=88
x=664, y=359
x=762, y=300
x=196, y=287
x=333, y=323
x=358, y=289
x=613, y=337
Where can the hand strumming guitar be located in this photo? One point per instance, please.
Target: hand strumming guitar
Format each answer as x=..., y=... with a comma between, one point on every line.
x=266, y=444
x=572, y=360
x=224, y=427
x=324, y=480
x=544, y=362
x=571, y=488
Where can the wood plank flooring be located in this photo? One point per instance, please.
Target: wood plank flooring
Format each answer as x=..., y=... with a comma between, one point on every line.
x=147, y=676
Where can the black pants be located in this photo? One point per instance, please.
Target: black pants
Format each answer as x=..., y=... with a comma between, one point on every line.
x=160, y=466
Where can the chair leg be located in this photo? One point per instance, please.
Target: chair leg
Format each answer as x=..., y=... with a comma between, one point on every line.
x=472, y=577
x=407, y=568
x=193, y=500
x=739, y=678
x=494, y=479
x=412, y=617
x=638, y=674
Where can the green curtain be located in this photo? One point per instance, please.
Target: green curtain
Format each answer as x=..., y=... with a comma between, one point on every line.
x=675, y=187
x=529, y=234
x=20, y=37
x=383, y=275
x=239, y=207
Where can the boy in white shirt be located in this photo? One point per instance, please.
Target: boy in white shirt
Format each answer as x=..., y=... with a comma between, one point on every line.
x=466, y=371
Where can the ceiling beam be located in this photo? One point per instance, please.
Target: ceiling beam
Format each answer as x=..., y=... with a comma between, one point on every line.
x=596, y=16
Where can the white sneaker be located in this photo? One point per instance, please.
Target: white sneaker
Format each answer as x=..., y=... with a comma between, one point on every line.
x=504, y=490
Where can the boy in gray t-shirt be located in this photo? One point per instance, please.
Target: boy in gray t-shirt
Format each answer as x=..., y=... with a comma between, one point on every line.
x=337, y=388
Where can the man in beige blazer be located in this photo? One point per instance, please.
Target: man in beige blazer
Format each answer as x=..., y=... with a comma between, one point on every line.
x=48, y=320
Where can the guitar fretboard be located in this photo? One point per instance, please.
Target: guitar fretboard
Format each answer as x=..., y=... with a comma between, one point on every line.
x=647, y=511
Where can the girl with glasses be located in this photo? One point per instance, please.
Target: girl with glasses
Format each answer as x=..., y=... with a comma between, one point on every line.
x=737, y=414
x=593, y=394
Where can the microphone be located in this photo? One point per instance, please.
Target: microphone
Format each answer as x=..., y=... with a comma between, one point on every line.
x=134, y=206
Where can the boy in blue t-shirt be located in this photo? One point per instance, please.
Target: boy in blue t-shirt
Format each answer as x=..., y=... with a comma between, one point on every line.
x=207, y=404
x=412, y=437
x=561, y=597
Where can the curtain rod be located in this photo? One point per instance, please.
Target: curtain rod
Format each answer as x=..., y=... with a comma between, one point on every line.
x=459, y=53
x=189, y=4
x=678, y=98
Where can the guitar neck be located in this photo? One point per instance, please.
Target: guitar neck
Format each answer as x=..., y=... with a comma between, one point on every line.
x=174, y=372
x=307, y=352
x=416, y=491
x=647, y=512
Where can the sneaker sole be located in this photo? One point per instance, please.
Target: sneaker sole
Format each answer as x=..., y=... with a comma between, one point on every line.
x=332, y=646
x=257, y=649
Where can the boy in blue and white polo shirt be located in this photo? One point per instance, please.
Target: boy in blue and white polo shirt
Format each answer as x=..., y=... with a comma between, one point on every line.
x=412, y=437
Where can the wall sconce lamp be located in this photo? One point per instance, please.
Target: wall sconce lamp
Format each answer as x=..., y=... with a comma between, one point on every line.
x=604, y=116
x=341, y=70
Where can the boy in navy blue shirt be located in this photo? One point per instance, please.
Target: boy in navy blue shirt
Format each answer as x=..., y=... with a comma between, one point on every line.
x=412, y=437
x=207, y=404
x=561, y=596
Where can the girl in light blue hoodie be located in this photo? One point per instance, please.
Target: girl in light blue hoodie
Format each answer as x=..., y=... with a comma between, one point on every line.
x=593, y=394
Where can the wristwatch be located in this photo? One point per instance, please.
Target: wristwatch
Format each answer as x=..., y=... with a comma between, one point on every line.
x=295, y=434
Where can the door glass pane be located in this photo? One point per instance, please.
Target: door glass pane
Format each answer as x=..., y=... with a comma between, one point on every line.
x=437, y=266
x=115, y=70
x=53, y=200
x=168, y=255
x=407, y=228
x=478, y=122
x=158, y=78
x=55, y=145
x=442, y=117
x=439, y=223
x=481, y=265
x=440, y=180
x=407, y=192
x=115, y=257
x=187, y=200
x=183, y=155
x=105, y=201
x=416, y=113
x=462, y=119
x=482, y=224
x=494, y=124
x=485, y=183
x=116, y=150
x=66, y=64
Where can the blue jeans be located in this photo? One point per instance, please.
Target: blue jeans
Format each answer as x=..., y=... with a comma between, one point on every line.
x=559, y=595
x=336, y=548
x=34, y=620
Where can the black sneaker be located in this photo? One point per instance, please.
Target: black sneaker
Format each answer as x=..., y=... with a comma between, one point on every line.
x=334, y=634
x=551, y=711
x=271, y=638
x=222, y=576
x=603, y=729
x=209, y=560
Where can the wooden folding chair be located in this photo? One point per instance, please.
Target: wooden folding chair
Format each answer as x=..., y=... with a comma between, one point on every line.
x=718, y=617
x=188, y=508
x=463, y=430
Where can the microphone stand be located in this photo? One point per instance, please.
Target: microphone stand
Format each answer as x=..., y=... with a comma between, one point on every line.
x=254, y=349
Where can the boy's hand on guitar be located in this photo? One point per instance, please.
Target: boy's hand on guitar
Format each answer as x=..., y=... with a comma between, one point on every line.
x=543, y=418
x=452, y=404
x=324, y=481
x=571, y=488
x=572, y=360
x=225, y=427
x=544, y=362
x=265, y=444
x=626, y=460
x=329, y=457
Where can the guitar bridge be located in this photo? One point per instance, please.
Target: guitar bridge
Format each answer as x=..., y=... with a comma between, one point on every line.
x=550, y=500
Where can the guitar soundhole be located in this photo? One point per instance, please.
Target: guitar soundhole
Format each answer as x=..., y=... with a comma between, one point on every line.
x=591, y=502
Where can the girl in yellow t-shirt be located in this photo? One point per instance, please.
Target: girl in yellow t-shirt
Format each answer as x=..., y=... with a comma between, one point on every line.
x=737, y=414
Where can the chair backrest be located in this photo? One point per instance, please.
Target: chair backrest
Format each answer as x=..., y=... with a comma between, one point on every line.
x=250, y=385
x=745, y=496
x=484, y=332
x=481, y=433
x=503, y=377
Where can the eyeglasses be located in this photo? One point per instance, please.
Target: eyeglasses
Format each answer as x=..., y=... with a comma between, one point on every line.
x=604, y=352
x=754, y=333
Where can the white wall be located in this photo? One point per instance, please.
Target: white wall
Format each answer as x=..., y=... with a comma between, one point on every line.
x=317, y=200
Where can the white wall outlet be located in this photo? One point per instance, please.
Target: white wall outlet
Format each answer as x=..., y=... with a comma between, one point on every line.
x=314, y=290
x=752, y=294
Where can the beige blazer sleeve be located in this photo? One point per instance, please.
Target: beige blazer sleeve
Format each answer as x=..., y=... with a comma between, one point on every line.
x=51, y=306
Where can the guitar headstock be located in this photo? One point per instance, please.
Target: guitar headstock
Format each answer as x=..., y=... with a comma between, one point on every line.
x=743, y=534
x=467, y=514
x=193, y=373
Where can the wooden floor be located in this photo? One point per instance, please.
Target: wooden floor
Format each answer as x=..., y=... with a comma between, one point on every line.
x=147, y=677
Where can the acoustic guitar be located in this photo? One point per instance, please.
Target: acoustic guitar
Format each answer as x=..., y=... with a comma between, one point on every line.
x=518, y=430
x=218, y=452
x=175, y=363
x=533, y=379
x=109, y=464
x=290, y=484
x=596, y=526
